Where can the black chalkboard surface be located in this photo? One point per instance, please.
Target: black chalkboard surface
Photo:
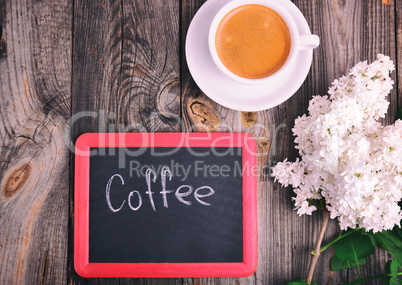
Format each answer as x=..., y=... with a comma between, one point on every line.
x=166, y=229
x=165, y=201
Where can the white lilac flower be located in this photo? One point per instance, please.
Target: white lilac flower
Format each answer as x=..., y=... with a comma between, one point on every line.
x=347, y=157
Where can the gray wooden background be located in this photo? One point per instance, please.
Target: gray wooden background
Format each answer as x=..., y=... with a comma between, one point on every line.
x=124, y=60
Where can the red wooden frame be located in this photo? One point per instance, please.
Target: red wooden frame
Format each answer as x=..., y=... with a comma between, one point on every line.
x=133, y=270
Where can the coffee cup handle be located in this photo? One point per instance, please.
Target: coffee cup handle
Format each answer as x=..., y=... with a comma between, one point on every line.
x=308, y=42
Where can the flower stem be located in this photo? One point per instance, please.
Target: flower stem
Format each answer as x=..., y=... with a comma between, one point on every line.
x=338, y=238
x=358, y=269
x=316, y=253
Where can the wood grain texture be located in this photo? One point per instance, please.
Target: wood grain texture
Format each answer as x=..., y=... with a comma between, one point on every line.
x=35, y=77
x=125, y=77
x=124, y=63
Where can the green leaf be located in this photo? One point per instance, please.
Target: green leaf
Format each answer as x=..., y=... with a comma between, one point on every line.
x=392, y=242
x=394, y=266
x=398, y=230
x=390, y=281
x=354, y=247
x=301, y=282
x=391, y=267
x=374, y=239
x=338, y=264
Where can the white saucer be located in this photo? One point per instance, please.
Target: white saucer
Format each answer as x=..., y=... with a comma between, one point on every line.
x=228, y=92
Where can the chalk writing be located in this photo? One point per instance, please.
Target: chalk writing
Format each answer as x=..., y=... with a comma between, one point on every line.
x=150, y=177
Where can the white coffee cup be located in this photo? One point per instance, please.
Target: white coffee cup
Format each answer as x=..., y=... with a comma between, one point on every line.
x=298, y=42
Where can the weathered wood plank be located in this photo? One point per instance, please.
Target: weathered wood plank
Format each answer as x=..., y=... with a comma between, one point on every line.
x=125, y=71
x=35, y=76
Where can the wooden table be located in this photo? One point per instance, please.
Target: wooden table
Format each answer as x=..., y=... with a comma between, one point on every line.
x=123, y=63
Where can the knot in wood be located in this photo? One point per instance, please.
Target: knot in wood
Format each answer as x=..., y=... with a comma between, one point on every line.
x=2, y=43
x=16, y=179
x=248, y=119
x=264, y=143
x=203, y=114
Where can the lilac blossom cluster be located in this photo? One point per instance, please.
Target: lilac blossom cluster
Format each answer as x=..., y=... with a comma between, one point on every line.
x=348, y=158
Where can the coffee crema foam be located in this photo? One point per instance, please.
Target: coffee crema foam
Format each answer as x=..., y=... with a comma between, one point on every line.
x=253, y=41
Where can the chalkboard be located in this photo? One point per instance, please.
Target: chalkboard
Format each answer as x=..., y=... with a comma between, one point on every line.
x=185, y=202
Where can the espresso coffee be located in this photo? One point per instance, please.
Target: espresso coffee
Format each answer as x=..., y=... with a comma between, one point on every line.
x=253, y=41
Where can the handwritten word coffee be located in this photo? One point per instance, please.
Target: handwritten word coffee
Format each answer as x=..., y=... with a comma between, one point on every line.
x=134, y=198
